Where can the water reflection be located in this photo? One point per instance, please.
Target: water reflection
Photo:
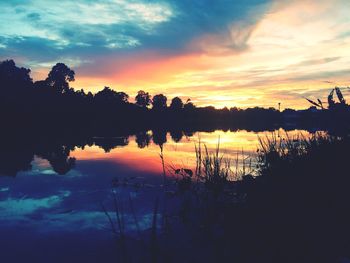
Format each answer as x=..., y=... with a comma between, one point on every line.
x=52, y=212
x=143, y=139
x=139, y=151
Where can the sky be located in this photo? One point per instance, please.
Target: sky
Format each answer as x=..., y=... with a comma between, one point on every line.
x=216, y=52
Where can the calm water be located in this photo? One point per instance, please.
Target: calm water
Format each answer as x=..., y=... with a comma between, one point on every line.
x=47, y=217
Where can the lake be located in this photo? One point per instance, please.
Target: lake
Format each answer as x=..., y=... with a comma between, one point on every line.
x=51, y=217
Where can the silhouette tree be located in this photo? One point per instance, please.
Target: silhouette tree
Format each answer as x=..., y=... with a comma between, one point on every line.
x=176, y=104
x=62, y=165
x=109, y=96
x=109, y=143
x=176, y=135
x=15, y=157
x=143, y=139
x=122, y=97
x=143, y=99
x=159, y=136
x=40, y=85
x=159, y=102
x=59, y=77
x=16, y=93
x=58, y=157
x=14, y=80
x=189, y=106
x=62, y=109
x=12, y=75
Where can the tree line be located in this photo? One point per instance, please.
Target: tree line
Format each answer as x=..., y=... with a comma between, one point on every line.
x=52, y=105
x=52, y=102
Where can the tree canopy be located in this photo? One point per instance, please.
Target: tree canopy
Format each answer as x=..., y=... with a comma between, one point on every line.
x=60, y=76
x=176, y=104
x=159, y=102
x=143, y=99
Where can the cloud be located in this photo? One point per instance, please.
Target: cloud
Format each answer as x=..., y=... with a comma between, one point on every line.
x=98, y=26
x=76, y=28
x=25, y=206
x=239, y=49
x=311, y=62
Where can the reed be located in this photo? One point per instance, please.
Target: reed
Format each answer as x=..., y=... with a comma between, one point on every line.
x=275, y=149
x=215, y=169
x=295, y=177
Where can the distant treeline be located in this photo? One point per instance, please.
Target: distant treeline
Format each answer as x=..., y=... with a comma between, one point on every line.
x=51, y=105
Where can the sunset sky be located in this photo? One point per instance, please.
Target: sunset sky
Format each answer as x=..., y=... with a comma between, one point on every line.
x=217, y=52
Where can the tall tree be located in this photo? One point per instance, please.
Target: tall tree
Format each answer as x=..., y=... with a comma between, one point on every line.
x=159, y=102
x=15, y=87
x=189, y=106
x=143, y=99
x=122, y=97
x=107, y=96
x=60, y=76
x=14, y=78
x=176, y=104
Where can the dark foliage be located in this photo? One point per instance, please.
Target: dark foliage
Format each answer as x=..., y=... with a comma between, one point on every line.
x=296, y=210
x=53, y=105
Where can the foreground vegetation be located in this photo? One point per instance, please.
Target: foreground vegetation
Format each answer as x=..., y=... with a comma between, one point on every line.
x=292, y=206
x=296, y=210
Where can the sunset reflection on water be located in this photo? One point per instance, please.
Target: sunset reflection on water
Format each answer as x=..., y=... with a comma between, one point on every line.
x=48, y=206
x=181, y=153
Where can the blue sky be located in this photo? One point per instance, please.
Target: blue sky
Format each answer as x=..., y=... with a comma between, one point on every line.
x=44, y=30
